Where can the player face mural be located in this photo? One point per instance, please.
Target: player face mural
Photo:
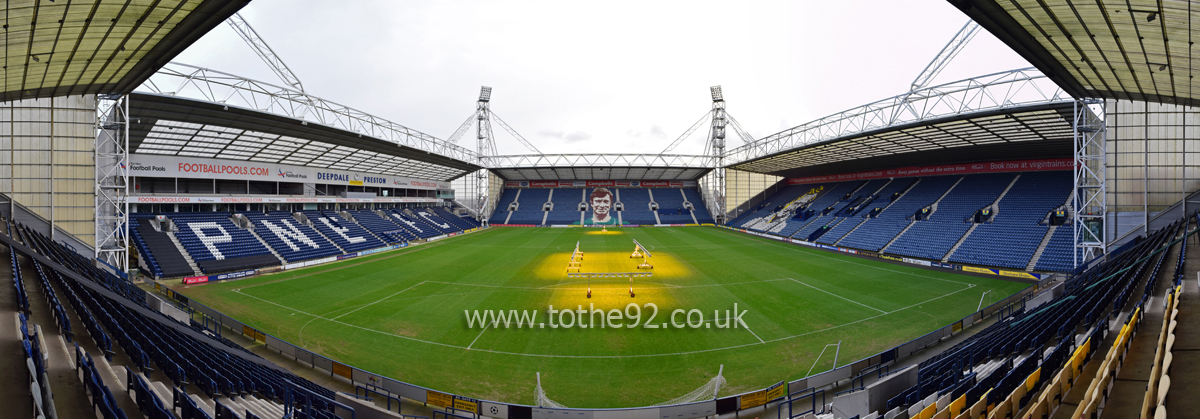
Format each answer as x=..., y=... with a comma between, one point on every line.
x=602, y=200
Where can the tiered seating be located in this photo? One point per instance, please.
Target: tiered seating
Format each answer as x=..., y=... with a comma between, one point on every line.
x=1015, y=232
x=349, y=236
x=877, y=232
x=217, y=245
x=1051, y=331
x=701, y=211
x=158, y=250
x=1056, y=257
x=830, y=201
x=290, y=238
x=382, y=227
x=501, y=211
x=102, y=399
x=428, y=216
x=39, y=382
x=413, y=225
x=932, y=238
x=771, y=204
x=636, y=202
x=21, y=295
x=670, y=206
x=530, y=209
x=881, y=199
x=566, y=205
x=462, y=223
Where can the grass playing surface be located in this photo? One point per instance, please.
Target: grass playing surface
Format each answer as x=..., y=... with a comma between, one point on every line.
x=401, y=313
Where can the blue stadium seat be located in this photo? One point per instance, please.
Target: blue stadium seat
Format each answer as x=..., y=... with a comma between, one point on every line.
x=933, y=237
x=636, y=204
x=349, y=236
x=1013, y=235
x=877, y=232
x=290, y=238
x=217, y=245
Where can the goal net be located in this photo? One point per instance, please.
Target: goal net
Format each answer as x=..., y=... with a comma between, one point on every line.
x=708, y=391
x=542, y=400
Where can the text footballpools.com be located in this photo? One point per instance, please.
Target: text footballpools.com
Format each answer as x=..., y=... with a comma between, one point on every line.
x=594, y=318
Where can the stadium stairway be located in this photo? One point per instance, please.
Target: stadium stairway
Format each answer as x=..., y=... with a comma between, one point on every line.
x=877, y=233
x=212, y=371
x=162, y=252
x=290, y=238
x=1037, y=254
x=883, y=198
x=58, y=351
x=932, y=237
x=408, y=222
x=501, y=214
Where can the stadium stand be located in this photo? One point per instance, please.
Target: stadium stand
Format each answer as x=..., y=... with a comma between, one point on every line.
x=566, y=205
x=875, y=233
x=758, y=217
x=501, y=214
x=408, y=222
x=636, y=205
x=824, y=210
x=158, y=250
x=430, y=218
x=347, y=235
x=992, y=369
x=670, y=206
x=699, y=208
x=382, y=227
x=1056, y=257
x=1016, y=229
x=882, y=198
x=220, y=372
x=290, y=238
x=947, y=222
x=529, y=209
x=217, y=245
x=458, y=222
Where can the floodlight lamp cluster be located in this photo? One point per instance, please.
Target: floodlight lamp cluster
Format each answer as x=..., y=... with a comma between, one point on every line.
x=716, y=93
x=485, y=94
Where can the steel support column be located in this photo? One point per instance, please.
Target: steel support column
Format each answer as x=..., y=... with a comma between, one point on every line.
x=112, y=180
x=1089, y=195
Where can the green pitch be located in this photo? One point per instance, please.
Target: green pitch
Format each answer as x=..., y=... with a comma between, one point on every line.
x=401, y=314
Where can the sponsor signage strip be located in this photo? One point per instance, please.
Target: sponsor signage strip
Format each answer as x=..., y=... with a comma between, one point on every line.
x=945, y=169
x=157, y=199
x=601, y=184
x=197, y=167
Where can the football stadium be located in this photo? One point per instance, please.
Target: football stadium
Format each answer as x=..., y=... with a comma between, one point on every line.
x=188, y=243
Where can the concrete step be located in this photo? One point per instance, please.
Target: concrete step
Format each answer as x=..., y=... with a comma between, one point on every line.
x=205, y=404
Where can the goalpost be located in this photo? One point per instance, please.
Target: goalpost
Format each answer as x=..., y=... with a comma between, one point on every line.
x=708, y=391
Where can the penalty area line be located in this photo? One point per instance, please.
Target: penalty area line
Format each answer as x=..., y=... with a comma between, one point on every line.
x=485, y=328
x=835, y=295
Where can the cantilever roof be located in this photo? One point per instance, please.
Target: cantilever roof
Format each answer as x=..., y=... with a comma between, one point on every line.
x=177, y=126
x=58, y=48
x=1117, y=49
x=1031, y=132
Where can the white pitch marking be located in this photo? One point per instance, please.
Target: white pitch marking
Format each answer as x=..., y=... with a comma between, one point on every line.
x=614, y=356
x=379, y=300
x=485, y=327
x=835, y=295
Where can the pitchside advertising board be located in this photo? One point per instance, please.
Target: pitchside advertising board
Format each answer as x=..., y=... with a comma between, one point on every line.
x=945, y=169
x=601, y=184
x=195, y=167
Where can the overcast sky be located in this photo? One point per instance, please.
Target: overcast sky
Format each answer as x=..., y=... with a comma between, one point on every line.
x=613, y=77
